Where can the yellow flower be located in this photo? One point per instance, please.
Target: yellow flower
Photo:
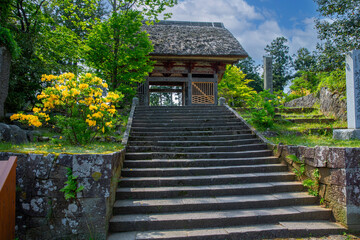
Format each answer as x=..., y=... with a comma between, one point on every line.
x=98, y=115
x=90, y=122
x=83, y=86
x=36, y=110
x=278, y=97
x=88, y=75
x=103, y=129
x=92, y=107
x=105, y=85
x=112, y=111
x=61, y=137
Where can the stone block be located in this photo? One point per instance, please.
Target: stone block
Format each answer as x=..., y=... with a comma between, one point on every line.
x=336, y=158
x=352, y=158
x=338, y=177
x=321, y=156
x=353, y=186
x=35, y=207
x=65, y=160
x=85, y=165
x=346, y=134
x=325, y=177
x=94, y=188
x=336, y=195
x=322, y=190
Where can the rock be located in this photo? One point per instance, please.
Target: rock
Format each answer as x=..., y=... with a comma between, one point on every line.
x=43, y=139
x=306, y=101
x=13, y=134
x=333, y=104
x=5, y=133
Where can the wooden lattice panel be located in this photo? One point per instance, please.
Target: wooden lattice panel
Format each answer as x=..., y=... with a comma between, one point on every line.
x=202, y=93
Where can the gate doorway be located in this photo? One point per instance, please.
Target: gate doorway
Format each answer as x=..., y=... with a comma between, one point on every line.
x=166, y=94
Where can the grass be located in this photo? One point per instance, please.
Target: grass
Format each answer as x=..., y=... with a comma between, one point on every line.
x=58, y=148
x=299, y=134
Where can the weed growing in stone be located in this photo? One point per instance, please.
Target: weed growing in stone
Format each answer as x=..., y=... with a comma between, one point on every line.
x=71, y=188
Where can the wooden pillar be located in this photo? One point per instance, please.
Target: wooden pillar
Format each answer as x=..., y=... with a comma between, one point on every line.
x=183, y=94
x=216, y=89
x=146, y=92
x=189, y=89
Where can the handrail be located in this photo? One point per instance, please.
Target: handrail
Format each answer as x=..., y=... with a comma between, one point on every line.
x=7, y=198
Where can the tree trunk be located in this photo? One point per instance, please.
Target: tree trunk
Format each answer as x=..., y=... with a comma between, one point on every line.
x=5, y=62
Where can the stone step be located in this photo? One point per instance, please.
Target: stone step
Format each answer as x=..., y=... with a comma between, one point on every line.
x=185, y=117
x=144, y=206
x=206, y=180
x=186, y=125
x=185, y=111
x=180, y=107
x=164, y=163
x=208, y=190
x=237, y=148
x=311, y=120
x=192, y=133
x=195, y=143
x=201, y=171
x=192, y=138
x=197, y=155
x=188, y=129
x=186, y=121
x=208, y=219
x=288, y=229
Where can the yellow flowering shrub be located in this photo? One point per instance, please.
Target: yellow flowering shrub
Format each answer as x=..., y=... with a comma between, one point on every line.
x=78, y=106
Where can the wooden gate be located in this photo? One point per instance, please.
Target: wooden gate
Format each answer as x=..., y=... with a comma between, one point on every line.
x=203, y=93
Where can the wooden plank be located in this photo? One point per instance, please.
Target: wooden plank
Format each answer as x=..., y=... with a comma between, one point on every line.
x=7, y=198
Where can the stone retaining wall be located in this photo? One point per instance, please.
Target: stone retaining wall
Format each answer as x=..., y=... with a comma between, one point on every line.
x=339, y=177
x=41, y=209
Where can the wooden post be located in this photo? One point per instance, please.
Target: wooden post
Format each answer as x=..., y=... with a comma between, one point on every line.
x=146, y=92
x=7, y=198
x=189, y=95
x=215, y=89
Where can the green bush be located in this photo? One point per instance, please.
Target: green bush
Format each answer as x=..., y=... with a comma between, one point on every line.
x=335, y=81
x=263, y=109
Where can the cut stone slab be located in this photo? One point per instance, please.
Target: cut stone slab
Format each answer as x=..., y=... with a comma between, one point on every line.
x=346, y=134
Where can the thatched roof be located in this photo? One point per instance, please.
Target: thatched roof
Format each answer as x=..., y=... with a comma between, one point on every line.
x=175, y=38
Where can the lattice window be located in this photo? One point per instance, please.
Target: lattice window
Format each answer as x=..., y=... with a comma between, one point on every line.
x=203, y=93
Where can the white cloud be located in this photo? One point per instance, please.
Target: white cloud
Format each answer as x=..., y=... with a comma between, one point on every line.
x=253, y=27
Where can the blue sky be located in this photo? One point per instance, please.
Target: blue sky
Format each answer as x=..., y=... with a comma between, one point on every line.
x=255, y=23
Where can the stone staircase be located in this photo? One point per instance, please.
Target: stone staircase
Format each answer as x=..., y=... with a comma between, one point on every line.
x=199, y=173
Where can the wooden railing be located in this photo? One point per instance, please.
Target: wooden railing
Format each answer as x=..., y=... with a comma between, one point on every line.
x=7, y=198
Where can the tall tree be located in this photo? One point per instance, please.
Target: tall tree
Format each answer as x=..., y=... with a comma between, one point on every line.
x=119, y=51
x=304, y=60
x=282, y=62
x=340, y=25
x=251, y=70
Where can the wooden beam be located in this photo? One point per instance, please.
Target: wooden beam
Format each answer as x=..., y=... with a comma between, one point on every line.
x=166, y=90
x=168, y=79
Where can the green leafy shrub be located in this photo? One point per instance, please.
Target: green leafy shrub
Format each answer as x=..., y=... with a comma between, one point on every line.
x=335, y=81
x=234, y=87
x=263, y=109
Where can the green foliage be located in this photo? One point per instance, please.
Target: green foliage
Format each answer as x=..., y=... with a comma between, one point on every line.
x=335, y=81
x=71, y=188
x=304, y=60
x=263, y=109
x=305, y=84
x=294, y=158
x=119, y=52
x=234, y=87
x=248, y=67
x=340, y=23
x=282, y=62
x=7, y=40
